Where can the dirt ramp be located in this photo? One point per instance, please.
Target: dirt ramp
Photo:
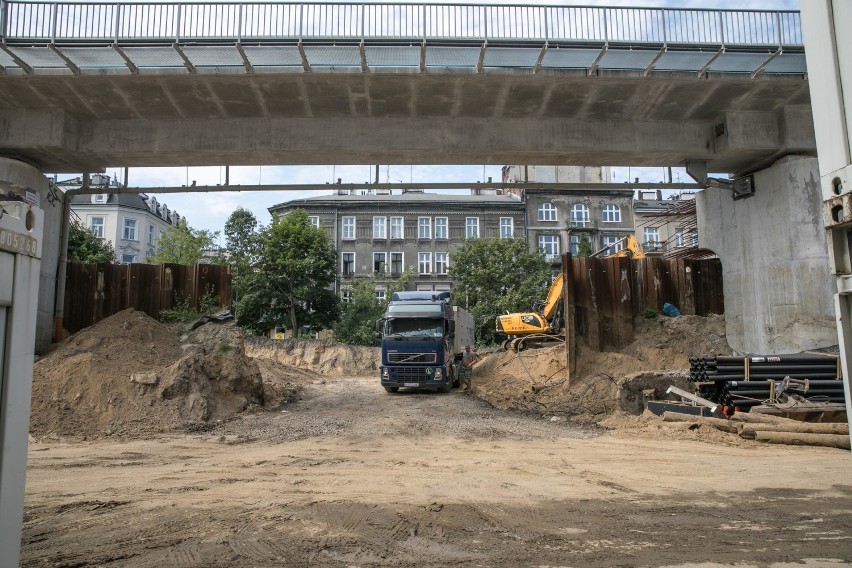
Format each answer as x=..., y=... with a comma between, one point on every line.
x=325, y=357
x=603, y=382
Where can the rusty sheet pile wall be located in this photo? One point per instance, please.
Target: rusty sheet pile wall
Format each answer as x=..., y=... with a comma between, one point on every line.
x=96, y=291
x=606, y=294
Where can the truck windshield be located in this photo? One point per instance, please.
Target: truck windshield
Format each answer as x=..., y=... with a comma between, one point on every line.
x=415, y=327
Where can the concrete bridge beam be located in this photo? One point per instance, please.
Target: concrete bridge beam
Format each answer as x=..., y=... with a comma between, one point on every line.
x=734, y=143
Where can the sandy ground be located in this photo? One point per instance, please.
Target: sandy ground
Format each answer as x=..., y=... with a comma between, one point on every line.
x=352, y=476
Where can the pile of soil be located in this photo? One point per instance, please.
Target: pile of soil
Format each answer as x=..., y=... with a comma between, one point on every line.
x=129, y=375
x=327, y=358
x=604, y=382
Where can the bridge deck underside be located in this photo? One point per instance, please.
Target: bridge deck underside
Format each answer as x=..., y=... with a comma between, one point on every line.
x=74, y=108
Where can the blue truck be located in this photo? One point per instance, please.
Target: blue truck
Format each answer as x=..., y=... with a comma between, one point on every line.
x=423, y=336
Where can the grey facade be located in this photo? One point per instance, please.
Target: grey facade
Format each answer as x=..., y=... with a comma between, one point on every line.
x=557, y=221
x=385, y=235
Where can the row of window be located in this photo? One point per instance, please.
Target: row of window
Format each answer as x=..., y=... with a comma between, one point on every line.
x=96, y=226
x=394, y=227
x=580, y=213
x=394, y=263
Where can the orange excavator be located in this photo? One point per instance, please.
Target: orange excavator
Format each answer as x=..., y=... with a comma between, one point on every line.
x=545, y=325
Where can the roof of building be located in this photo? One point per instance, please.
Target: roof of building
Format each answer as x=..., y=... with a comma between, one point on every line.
x=130, y=200
x=412, y=198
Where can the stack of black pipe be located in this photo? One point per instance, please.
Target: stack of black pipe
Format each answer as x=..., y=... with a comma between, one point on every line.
x=746, y=381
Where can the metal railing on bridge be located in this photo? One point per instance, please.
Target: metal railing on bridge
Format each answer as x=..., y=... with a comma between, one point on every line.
x=33, y=22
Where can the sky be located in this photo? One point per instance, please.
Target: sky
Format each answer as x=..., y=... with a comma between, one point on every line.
x=209, y=211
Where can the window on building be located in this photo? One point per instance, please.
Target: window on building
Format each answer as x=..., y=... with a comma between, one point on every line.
x=151, y=235
x=609, y=242
x=611, y=213
x=424, y=227
x=348, y=263
x=314, y=220
x=396, y=228
x=507, y=228
x=380, y=228
x=348, y=231
x=96, y=225
x=691, y=238
x=346, y=295
x=396, y=263
x=441, y=227
x=685, y=238
x=442, y=262
x=580, y=215
x=651, y=236
x=547, y=212
x=128, y=258
x=130, y=229
x=549, y=245
x=574, y=244
x=424, y=263
x=471, y=227
x=380, y=262
x=381, y=294
x=100, y=198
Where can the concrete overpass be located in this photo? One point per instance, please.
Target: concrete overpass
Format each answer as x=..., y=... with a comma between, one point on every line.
x=91, y=86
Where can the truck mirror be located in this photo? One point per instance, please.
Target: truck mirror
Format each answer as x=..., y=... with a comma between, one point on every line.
x=452, y=327
x=377, y=335
x=378, y=327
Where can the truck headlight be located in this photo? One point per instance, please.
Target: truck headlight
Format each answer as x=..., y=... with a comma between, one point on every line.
x=384, y=372
x=439, y=373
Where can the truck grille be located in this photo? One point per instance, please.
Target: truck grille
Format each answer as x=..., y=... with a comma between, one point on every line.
x=405, y=374
x=428, y=358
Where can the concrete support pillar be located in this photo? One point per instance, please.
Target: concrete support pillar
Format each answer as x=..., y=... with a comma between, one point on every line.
x=20, y=176
x=21, y=248
x=778, y=284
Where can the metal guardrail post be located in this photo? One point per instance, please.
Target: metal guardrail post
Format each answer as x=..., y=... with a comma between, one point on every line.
x=54, y=10
x=3, y=19
x=721, y=29
x=177, y=22
x=240, y=22
x=117, y=22
x=301, y=20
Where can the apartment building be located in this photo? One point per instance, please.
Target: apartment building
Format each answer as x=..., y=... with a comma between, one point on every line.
x=133, y=222
x=558, y=220
x=665, y=225
x=387, y=234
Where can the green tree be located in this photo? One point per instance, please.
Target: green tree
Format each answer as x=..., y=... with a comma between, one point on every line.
x=357, y=322
x=495, y=276
x=584, y=249
x=243, y=241
x=85, y=247
x=183, y=245
x=290, y=283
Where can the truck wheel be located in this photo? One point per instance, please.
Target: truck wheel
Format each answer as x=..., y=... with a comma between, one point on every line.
x=392, y=389
x=455, y=378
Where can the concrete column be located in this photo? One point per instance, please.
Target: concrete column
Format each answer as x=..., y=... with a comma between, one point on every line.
x=21, y=246
x=16, y=176
x=778, y=285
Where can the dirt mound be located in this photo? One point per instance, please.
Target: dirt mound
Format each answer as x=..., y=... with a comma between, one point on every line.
x=129, y=375
x=325, y=357
x=604, y=382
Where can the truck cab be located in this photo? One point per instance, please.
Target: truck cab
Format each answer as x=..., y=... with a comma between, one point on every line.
x=419, y=342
